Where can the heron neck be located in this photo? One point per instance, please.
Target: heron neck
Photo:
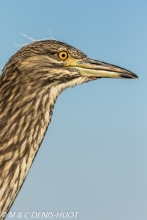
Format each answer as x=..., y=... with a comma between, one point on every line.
x=22, y=130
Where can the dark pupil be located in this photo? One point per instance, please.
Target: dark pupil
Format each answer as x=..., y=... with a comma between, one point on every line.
x=63, y=55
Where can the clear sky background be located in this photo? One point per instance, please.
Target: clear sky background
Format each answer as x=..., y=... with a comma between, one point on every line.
x=94, y=156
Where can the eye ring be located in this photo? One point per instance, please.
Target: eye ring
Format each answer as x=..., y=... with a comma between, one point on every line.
x=63, y=55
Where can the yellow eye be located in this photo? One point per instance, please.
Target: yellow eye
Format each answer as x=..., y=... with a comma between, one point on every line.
x=63, y=55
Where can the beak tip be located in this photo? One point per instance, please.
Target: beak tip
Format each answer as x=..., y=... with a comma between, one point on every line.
x=130, y=75
x=135, y=76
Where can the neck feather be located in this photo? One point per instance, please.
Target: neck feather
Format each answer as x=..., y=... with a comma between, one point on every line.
x=22, y=129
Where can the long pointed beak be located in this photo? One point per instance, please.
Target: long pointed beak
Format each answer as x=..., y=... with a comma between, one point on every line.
x=96, y=68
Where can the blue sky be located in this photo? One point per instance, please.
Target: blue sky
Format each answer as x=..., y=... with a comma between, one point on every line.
x=94, y=157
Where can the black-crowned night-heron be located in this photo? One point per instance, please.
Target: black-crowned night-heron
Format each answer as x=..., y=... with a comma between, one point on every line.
x=30, y=83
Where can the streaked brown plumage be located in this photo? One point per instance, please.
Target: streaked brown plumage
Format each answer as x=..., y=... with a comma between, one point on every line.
x=30, y=83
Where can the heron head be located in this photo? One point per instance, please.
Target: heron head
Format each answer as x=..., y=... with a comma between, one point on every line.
x=50, y=62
